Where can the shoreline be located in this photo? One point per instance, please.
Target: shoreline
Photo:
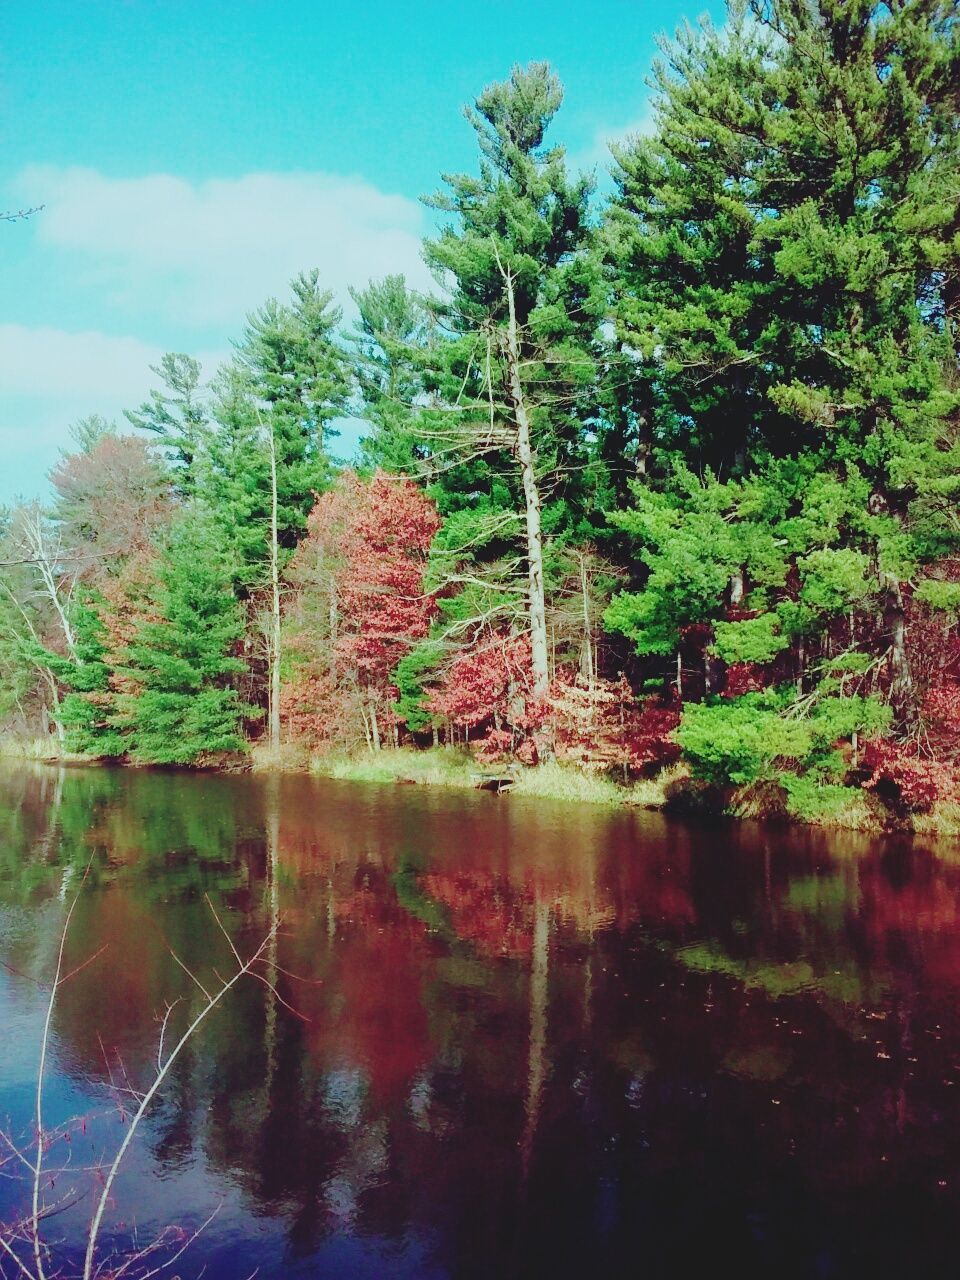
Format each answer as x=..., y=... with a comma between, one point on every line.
x=674, y=791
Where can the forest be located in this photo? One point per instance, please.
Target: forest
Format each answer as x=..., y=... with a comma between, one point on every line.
x=661, y=482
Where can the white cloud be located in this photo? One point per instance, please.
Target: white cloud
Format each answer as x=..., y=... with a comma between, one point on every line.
x=50, y=378
x=179, y=262
x=203, y=254
x=596, y=153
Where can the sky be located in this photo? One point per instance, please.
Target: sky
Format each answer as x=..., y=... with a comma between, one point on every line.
x=191, y=158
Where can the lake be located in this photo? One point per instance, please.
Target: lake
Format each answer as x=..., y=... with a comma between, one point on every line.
x=504, y=1037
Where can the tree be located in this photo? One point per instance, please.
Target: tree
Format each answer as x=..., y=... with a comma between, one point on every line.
x=183, y=663
x=176, y=414
x=113, y=498
x=89, y=705
x=782, y=262
x=361, y=600
x=516, y=372
x=299, y=377
x=388, y=343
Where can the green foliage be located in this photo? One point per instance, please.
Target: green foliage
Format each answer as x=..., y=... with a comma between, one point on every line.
x=834, y=578
x=183, y=663
x=740, y=741
x=752, y=640
x=388, y=340
x=836, y=718
x=763, y=736
x=87, y=711
x=289, y=380
x=411, y=678
x=524, y=218
x=177, y=414
x=940, y=595
x=813, y=800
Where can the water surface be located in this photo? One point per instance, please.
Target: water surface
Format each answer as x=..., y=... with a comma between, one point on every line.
x=531, y=1039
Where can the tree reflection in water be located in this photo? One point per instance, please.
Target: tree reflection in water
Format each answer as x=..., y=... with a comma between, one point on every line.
x=540, y=1039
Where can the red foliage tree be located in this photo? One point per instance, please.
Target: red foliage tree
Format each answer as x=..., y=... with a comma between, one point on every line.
x=903, y=779
x=360, y=569
x=487, y=688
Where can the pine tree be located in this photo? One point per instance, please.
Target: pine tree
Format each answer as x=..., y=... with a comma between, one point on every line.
x=515, y=387
x=182, y=663
x=89, y=707
x=388, y=343
x=782, y=256
x=297, y=376
x=176, y=414
x=692, y=289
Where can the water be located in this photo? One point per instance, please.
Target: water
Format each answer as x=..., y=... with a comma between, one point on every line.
x=530, y=1039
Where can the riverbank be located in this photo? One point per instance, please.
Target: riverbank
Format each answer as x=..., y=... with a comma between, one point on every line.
x=674, y=790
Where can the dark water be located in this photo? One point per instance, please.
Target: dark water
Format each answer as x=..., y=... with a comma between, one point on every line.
x=536, y=1040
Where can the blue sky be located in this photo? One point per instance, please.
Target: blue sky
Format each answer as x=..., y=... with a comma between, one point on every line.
x=192, y=157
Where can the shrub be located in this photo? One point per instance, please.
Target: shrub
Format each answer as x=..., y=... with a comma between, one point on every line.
x=738, y=742
x=904, y=780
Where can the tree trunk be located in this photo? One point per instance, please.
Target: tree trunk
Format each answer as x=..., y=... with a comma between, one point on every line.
x=375, y=728
x=531, y=497
x=587, y=662
x=901, y=678
x=275, y=638
x=44, y=559
x=366, y=724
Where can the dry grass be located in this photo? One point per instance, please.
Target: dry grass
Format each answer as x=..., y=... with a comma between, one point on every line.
x=556, y=781
x=658, y=792
x=942, y=821
x=442, y=767
x=438, y=767
x=33, y=749
x=290, y=758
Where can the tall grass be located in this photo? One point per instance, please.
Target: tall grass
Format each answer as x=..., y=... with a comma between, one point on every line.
x=437, y=766
x=15, y=748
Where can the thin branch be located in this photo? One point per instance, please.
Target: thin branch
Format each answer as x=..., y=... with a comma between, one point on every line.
x=213, y=1001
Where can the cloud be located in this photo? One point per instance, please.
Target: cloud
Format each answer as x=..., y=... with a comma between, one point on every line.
x=204, y=254
x=50, y=378
x=180, y=263
x=596, y=153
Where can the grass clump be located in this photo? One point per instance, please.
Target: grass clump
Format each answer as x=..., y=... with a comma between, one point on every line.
x=555, y=781
x=32, y=749
x=436, y=766
x=288, y=758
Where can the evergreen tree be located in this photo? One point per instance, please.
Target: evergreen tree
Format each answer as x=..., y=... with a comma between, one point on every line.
x=388, y=343
x=298, y=377
x=88, y=707
x=516, y=378
x=182, y=662
x=782, y=258
x=692, y=286
x=176, y=414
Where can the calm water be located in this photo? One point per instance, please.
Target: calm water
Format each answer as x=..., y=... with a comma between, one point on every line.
x=535, y=1040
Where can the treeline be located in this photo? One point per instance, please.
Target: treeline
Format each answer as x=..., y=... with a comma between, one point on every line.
x=673, y=471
